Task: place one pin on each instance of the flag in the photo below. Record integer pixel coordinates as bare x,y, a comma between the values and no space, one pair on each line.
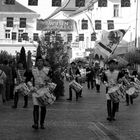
110,40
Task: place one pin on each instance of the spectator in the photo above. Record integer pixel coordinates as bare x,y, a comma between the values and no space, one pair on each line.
3,85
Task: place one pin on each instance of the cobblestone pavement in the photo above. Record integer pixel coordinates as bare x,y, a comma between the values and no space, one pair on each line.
71,120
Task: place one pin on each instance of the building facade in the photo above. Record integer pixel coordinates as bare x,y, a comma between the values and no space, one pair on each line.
93,19
17,28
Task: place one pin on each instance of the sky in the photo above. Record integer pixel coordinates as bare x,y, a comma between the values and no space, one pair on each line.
44,7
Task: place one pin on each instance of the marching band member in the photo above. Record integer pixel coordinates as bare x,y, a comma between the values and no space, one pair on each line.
74,73
110,78
40,74
90,74
130,75
128,97
18,80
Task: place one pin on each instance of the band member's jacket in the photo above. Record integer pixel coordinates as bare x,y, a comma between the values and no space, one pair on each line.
74,74
110,78
40,79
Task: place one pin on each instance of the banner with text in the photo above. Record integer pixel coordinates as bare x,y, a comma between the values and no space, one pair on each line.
54,24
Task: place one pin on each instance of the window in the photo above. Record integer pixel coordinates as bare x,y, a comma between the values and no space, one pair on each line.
98,25
81,37
11,2
80,3
14,35
20,32
93,37
84,24
116,10
25,36
22,23
56,3
7,34
110,24
33,2
35,36
102,3
9,21
69,37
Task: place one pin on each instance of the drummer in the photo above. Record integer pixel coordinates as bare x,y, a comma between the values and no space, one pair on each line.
74,73
41,78
110,78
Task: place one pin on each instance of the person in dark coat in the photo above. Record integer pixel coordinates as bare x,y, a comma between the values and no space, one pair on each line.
8,71
90,74
14,75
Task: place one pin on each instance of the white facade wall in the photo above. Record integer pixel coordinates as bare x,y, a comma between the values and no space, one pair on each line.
125,20
11,46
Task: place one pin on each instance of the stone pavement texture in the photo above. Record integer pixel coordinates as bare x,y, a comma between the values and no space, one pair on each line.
71,120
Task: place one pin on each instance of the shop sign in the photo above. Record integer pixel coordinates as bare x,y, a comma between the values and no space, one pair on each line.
54,24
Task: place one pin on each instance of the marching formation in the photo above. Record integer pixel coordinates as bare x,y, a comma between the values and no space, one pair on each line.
37,82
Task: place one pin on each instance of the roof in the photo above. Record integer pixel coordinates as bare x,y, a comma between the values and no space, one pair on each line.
17,7
68,7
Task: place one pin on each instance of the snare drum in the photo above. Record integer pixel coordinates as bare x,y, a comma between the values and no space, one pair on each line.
22,88
52,86
76,86
114,94
45,97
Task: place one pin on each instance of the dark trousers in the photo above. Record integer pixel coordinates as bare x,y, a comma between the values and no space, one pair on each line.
90,83
98,87
12,91
70,94
7,91
36,114
129,98
112,108
16,97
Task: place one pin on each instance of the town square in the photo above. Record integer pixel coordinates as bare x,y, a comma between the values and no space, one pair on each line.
69,69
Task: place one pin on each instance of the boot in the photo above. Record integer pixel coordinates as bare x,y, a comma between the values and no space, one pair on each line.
109,110
25,101
15,100
35,116
42,117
